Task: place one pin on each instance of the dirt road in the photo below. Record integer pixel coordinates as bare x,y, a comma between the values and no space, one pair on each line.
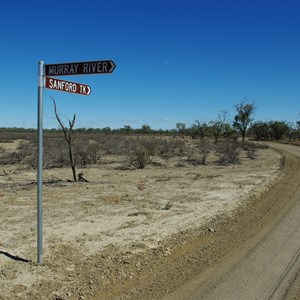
268,265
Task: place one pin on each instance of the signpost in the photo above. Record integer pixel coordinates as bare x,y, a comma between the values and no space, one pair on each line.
63,69
40,165
67,86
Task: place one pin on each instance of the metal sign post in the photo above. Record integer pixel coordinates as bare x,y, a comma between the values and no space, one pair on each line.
41,84
66,69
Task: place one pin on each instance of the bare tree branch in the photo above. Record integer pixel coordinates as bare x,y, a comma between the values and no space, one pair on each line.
68,136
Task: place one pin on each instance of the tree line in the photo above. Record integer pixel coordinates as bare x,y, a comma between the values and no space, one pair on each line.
242,125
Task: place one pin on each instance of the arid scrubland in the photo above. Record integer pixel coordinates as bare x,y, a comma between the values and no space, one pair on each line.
140,192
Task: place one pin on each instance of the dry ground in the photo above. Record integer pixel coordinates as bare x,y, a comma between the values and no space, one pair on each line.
100,237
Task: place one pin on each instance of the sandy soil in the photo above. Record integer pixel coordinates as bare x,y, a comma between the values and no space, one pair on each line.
98,235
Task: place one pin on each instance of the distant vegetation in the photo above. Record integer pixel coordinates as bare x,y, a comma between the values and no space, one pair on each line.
242,125
259,130
194,144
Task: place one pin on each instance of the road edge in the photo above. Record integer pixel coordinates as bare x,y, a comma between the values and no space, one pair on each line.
191,252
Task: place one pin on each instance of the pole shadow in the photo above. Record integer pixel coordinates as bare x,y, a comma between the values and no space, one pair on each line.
16,258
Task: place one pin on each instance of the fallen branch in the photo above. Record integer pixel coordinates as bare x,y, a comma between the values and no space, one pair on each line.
81,178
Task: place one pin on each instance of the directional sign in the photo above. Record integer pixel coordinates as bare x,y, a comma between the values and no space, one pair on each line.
80,68
67,86
64,69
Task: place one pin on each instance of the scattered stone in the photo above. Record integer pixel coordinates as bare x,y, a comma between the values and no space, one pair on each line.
168,206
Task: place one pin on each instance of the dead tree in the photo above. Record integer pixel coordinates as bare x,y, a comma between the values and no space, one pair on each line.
68,137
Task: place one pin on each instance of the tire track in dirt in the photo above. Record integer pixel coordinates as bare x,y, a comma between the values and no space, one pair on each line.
261,271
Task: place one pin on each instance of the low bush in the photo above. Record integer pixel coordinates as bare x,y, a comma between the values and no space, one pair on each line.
251,150
200,153
229,152
10,158
139,158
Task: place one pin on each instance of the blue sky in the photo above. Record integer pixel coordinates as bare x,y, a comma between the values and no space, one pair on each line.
176,61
